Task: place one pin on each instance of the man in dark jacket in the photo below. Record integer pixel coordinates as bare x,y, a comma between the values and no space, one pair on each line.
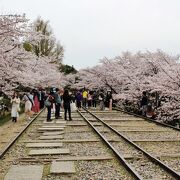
66,102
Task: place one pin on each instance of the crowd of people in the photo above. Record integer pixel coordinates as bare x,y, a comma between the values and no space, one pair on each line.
90,99
54,99
33,102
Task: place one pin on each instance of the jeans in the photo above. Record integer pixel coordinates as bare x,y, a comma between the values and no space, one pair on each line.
144,109
67,108
57,110
84,102
94,103
49,113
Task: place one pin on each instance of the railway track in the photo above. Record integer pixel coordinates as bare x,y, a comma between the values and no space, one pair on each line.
43,145
148,119
147,160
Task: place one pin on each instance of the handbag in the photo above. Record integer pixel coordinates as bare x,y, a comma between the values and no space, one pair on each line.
100,98
47,103
73,107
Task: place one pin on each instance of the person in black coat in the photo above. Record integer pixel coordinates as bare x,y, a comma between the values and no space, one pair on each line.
41,97
108,98
144,103
66,104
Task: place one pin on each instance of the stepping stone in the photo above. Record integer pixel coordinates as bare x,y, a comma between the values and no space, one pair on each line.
43,141
52,133
48,152
36,145
55,123
46,122
80,140
51,137
62,167
77,124
30,172
61,122
54,126
51,129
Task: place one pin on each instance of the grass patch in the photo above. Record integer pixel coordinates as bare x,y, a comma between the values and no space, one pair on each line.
7,116
5,119
46,170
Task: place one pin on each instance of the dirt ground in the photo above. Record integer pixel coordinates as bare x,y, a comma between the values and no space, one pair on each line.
10,129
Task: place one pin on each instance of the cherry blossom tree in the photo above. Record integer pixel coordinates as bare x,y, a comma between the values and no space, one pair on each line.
130,74
21,67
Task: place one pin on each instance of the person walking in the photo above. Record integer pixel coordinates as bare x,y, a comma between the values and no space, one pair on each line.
73,102
101,101
36,107
49,103
94,99
15,100
85,95
28,106
66,104
89,99
108,101
57,98
30,95
78,99
144,103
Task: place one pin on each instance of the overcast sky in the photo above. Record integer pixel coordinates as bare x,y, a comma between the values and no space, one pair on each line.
93,29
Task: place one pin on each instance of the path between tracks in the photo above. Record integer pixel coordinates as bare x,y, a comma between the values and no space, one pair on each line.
10,129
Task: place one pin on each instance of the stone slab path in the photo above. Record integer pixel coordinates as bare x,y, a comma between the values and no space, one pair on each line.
61,122
53,126
30,172
37,145
62,167
55,122
51,137
52,133
51,129
48,152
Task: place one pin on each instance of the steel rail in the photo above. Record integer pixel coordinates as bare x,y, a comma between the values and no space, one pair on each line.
147,119
119,156
161,164
4,151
